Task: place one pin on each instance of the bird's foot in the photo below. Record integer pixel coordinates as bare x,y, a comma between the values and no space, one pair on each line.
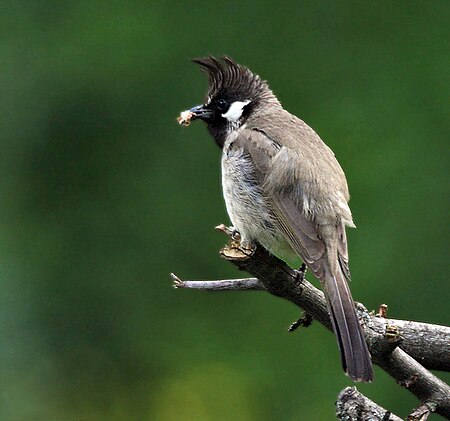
237,242
232,232
247,247
301,273
235,235
305,321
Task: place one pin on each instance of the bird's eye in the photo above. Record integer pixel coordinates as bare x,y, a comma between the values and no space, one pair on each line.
222,104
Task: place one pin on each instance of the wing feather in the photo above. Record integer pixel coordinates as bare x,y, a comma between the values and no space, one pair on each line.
317,237
300,231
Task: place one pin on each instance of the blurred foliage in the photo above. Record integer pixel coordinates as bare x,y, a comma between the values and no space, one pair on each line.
102,195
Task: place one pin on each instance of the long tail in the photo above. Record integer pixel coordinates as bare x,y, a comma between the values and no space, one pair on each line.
354,352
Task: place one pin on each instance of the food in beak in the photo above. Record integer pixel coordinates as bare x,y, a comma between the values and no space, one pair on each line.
185,118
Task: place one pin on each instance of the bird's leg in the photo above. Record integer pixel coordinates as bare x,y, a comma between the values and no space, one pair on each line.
306,318
232,232
237,240
305,321
301,273
235,235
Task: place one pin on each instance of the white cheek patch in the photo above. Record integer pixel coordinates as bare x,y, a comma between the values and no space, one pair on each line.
235,111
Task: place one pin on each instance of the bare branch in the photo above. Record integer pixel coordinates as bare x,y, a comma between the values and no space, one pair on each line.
222,285
388,339
418,380
425,342
352,405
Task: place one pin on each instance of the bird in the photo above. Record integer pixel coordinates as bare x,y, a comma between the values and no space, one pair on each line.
284,190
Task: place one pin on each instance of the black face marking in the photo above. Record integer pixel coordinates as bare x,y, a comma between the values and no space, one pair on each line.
230,82
222,105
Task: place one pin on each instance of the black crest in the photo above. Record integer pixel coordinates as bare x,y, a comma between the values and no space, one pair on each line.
227,76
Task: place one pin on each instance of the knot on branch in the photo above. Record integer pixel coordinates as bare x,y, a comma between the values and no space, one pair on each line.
422,412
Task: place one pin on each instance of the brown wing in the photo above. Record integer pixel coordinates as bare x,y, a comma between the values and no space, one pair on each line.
301,232
317,237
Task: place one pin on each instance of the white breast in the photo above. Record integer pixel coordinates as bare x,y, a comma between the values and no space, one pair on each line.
246,205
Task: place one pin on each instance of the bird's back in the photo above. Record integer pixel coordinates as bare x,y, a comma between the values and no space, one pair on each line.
305,164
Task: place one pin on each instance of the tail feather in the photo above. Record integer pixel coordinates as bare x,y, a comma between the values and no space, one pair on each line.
352,344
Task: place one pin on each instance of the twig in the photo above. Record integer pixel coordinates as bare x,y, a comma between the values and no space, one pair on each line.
222,285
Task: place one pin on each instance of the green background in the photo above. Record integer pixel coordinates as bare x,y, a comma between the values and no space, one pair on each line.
102,195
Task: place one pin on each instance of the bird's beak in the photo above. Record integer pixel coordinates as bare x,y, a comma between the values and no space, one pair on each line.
200,111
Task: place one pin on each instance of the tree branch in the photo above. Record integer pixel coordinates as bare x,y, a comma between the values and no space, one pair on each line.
222,285
427,343
352,405
390,341
421,413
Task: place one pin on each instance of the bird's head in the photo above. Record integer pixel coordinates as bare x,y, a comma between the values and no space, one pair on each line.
234,94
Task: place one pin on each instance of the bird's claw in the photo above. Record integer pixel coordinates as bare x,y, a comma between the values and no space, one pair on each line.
301,273
305,321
